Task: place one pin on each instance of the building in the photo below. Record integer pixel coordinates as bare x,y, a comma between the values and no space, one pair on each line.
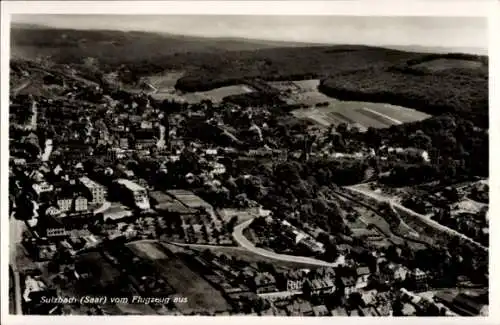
420,280
300,308
146,125
65,203
32,285
124,143
320,310
362,274
265,282
339,311
80,204
134,194
322,286
211,152
98,192
43,187
462,304
349,284
218,168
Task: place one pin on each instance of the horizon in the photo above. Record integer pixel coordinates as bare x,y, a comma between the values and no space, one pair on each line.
433,32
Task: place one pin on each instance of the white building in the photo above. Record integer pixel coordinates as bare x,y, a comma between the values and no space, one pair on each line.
64,204
80,204
43,187
218,168
98,192
139,194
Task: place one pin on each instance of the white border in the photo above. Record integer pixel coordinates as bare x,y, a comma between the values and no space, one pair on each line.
354,8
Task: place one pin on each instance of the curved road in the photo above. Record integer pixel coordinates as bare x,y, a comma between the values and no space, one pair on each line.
426,220
248,245
245,244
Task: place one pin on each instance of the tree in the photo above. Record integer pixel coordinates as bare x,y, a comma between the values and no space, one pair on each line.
397,307
355,300
232,222
307,288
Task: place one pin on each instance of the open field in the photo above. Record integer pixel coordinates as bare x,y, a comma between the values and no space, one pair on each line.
217,95
372,219
240,253
201,296
445,64
165,81
162,87
148,250
243,215
107,273
360,114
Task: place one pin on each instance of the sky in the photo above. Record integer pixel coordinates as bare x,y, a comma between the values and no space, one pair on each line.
453,32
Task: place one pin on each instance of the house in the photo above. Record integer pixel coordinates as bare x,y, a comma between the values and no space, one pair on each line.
265,282
211,152
322,286
42,187
390,272
300,308
80,204
65,203
409,310
98,192
218,168
52,211
46,251
420,279
124,143
355,313
462,304
339,311
32,285
349,284
368,311
147,125
320,310
362,274
369,297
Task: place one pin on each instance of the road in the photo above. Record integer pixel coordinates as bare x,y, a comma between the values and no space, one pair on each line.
248,245
16,229
426,220
105,205
161,140
21,87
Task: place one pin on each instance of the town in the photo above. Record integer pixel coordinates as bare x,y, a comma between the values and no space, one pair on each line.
241,204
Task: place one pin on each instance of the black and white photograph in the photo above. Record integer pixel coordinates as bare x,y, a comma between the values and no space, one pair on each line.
253,165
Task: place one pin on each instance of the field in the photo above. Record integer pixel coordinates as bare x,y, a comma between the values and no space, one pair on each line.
332,111
240,253
162,87
445,64
368,217
217,95
201,296
147,250
243,215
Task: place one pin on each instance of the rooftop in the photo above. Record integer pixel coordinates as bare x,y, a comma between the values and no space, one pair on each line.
130,185
88,182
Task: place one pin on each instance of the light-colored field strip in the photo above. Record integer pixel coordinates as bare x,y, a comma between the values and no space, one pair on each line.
148,249
383,115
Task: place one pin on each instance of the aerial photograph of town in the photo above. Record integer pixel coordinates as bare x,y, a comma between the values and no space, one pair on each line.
248,165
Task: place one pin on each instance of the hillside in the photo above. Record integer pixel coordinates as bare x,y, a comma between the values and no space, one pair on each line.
31,41
432,83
